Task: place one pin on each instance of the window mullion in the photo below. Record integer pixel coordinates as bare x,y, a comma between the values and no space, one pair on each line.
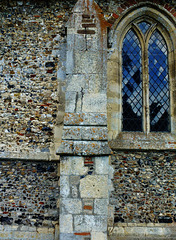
146,122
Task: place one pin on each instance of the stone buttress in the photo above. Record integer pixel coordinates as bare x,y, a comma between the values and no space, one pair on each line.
85,173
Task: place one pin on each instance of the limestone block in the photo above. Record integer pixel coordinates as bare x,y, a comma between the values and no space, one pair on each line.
70,101
98,236
101,165
71,236
70,59
87,223
73,166
101,206
64,186
95,102
71,206
158,231
85,148
74,191
88,62
66,223
77,82
85,133
116,231
85,119
97,83
91,43
94,186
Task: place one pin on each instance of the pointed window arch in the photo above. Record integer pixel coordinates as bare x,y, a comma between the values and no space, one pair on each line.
141,75
145,80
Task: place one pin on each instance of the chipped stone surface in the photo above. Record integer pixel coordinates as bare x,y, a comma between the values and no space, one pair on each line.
73,166
84,148
85,119
102,165
94,186
71,206
101,206
64,186
142,232
66,223
85,133
98,236
86,223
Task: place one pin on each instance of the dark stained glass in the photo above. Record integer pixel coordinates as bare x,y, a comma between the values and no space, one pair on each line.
158,84
131,83
144,26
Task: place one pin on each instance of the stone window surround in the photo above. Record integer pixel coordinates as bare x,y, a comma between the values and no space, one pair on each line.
165,23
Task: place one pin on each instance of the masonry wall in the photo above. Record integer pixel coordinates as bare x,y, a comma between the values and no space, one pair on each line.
29,199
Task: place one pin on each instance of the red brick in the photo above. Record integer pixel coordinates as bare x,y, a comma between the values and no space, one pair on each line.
115,15
83,234
86,207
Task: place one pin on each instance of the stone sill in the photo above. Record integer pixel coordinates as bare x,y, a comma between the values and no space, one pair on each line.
143,141
143,232
121,224
39,156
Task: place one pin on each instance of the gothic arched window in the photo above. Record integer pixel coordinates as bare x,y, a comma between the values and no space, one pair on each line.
145,80
141,73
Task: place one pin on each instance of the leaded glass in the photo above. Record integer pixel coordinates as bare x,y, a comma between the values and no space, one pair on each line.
144,26
158,84
131,83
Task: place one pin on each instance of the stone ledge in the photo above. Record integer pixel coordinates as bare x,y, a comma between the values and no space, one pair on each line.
25,232
143,141
40,156
86,119
143,232
85,133
84,148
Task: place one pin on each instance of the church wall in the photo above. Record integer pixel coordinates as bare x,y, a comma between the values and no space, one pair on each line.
144,192
28,199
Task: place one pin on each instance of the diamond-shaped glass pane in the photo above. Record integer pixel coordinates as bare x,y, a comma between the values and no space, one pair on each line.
131,83
158,84
144,26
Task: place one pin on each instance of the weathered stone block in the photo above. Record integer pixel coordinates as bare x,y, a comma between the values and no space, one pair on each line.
98,236
73,166
70,206
85,133
102,165
85,119
85,148
101,206
77,83
87,223
64,186
95,102
66,223
94,186
89,59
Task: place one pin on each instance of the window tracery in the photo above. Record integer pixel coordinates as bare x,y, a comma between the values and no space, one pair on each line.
145,89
